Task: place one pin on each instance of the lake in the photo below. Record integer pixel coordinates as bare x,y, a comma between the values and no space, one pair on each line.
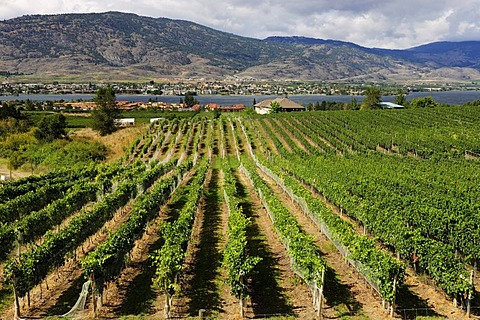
448,97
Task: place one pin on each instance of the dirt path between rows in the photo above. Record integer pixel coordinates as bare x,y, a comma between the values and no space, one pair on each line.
64,284
158,147
298,123
203,283
282,140
318,123
258,130
346,292
287,131
132,292
418,293
276,290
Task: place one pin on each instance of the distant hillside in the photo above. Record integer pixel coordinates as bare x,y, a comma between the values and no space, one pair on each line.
121,46
443,54
449,54
310,41
121,43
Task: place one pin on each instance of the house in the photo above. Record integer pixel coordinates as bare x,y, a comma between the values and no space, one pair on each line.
234,108
286,105
212,106
84,105
126,105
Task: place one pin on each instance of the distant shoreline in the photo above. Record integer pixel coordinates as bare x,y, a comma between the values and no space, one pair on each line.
453,97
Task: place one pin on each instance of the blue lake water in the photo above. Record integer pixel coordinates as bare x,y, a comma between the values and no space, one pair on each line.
448,97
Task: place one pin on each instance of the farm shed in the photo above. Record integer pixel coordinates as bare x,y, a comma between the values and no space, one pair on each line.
125,122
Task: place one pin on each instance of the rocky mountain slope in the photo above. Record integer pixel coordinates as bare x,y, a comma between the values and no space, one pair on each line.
122,46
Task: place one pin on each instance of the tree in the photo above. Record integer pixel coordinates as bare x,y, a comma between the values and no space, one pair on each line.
29,105
107,111
10,111
51,127
190,100
275,107
321,106
14,162
423,102
354,104
400,98
216,114
371,99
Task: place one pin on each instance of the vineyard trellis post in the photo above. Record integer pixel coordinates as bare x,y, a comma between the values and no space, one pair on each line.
241,299
14,283
94,296
469,298
167,299
16,302
392,307
319,301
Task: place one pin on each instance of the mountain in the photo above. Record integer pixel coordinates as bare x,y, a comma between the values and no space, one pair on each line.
122,46
437,55
448,54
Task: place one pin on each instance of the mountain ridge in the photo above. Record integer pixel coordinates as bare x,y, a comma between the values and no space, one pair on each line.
123,46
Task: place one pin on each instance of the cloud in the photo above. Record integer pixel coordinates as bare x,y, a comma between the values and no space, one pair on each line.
371,23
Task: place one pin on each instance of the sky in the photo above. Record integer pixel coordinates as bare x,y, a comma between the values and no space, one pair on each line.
392,24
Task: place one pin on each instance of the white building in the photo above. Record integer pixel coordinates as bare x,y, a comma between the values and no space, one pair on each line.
125,122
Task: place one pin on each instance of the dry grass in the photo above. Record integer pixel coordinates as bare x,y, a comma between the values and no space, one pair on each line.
117,142
16,174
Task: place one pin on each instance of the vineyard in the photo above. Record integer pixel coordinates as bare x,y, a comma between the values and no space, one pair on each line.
351,214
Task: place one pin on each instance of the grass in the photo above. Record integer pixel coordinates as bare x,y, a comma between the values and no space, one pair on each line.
144,116
74,120
23,171
77,119
329,248
3,162
6,298
117,143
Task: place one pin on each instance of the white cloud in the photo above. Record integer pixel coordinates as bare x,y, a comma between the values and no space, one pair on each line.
371,23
